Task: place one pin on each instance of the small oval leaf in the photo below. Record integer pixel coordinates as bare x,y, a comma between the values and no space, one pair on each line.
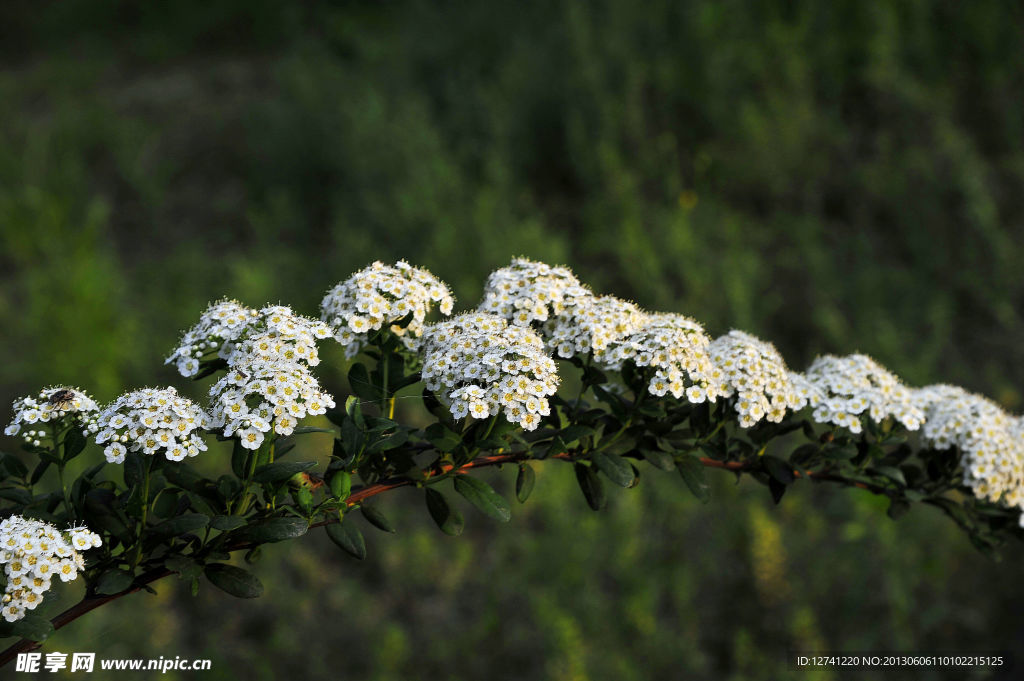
483,496
32,626
273,530
348,538
281,470
591,485
376,518
692,471
447,517
524,482
615,467
181,525
234,580
113,581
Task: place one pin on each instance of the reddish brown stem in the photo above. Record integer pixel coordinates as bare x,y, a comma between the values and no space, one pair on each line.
90,603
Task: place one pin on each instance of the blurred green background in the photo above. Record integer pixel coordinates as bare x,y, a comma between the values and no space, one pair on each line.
831,176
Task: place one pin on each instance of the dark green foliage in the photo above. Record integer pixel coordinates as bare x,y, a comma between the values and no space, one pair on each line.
483,496
831,176
234,580
348,537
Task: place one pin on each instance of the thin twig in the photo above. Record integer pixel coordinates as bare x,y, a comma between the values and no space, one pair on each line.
92,602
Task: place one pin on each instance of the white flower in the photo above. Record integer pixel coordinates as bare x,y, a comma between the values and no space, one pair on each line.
115,452
220,324
676,347
590,324
276,387
843,389
228,330
251,438
33,552
383,294
453,359
991,442
49,405
150,420
754,371
528,291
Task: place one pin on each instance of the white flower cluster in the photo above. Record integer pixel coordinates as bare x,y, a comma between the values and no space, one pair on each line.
51,404
32,552
844,388
990,442
151,420
230,331
676,347
278,334
754,371
259,394
268,384
590,324
382,294
528,291
213,336
487,366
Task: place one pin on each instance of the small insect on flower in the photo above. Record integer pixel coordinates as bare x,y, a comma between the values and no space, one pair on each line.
62,399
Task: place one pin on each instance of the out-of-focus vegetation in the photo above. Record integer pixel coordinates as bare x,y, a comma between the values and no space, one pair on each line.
831,176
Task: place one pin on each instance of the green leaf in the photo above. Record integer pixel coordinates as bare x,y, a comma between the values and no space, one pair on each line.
234,580
443,439
841,453
74,443
181,525
447,517
574,432
304,499
891,472
134,469
273,530
804,454
39,471
302,430
659,459
226,523
591,485
348,537
483,496
281,470
554,449
778,469
354,409
341,485
524,482
114,581
32,626
359,381
693,474
283,446
239,460
184,566
389,442
916,495
17,495
777,489
351,439
184,476
376,518
166,505
14,466
615,467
